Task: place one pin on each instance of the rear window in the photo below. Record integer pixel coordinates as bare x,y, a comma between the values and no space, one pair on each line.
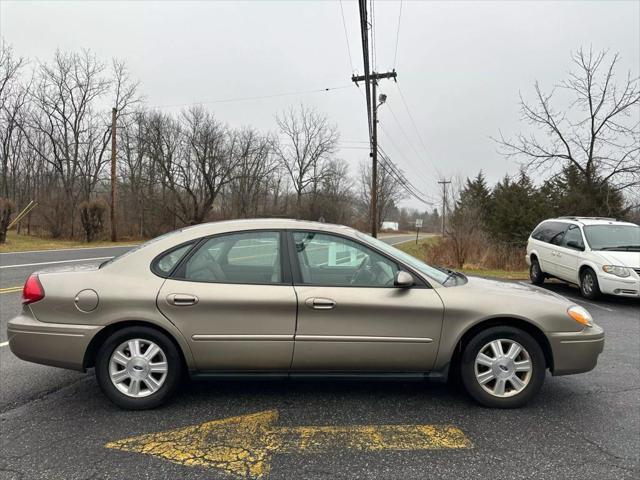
550,232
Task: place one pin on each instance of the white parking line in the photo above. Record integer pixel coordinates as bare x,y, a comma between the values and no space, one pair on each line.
4,344
58,261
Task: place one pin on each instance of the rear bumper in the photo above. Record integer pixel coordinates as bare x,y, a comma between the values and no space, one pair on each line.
576,352
55,344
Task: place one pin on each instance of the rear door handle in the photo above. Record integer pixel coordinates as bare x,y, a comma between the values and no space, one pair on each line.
320,303
181,299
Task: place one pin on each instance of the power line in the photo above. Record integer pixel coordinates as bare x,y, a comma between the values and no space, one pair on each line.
387,168
413,122
399,151
409,142
346,36
395,55
402,177
373,35
399,176
261,97
419,165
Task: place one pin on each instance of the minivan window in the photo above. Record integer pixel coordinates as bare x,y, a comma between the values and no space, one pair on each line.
573,238
550,232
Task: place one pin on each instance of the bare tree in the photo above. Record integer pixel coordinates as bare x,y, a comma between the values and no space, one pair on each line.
255,166
195,156
598,132
65,112
13,100
308,141
336,203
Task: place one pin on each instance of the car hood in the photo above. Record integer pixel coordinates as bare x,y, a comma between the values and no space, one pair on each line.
515,289
623,259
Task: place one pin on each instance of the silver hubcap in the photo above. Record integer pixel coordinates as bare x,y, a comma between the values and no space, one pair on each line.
138,368
587,283
503,368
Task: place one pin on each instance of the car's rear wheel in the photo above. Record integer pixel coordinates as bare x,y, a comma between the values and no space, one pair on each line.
502,367
138,367
589,287
536,274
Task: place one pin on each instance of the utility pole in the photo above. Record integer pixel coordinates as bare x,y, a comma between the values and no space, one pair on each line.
444,202
373,79
114,232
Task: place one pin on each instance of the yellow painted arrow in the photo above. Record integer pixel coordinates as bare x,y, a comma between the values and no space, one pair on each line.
243,445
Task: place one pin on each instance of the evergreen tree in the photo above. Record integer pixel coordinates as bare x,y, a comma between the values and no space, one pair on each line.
570,194
475,195
515,209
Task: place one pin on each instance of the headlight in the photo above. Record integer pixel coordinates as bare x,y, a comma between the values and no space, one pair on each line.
617,271
580,315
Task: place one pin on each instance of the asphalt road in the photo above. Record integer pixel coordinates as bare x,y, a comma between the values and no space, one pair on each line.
55,424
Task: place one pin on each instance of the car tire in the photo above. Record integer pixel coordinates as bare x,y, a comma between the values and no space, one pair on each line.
536,274
589,286
154,369
516,392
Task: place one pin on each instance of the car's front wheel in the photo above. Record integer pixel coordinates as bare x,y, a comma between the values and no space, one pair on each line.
589,287
502,367
138,367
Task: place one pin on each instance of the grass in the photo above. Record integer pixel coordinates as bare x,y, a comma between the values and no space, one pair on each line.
22,243
421,249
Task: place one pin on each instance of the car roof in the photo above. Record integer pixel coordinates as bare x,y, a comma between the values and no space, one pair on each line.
590,221
260,223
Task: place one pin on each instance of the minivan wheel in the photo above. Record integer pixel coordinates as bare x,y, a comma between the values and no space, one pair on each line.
535,272
138,368
502,367
589,287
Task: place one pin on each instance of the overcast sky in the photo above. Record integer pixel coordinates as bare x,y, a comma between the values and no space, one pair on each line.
460,64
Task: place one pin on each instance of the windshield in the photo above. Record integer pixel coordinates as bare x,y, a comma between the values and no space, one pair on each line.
438,275
620,238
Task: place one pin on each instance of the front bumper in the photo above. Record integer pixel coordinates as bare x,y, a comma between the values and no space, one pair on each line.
55,344
576,352
624,287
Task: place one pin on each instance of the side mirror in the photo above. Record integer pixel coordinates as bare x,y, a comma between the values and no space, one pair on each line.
575,245
403,279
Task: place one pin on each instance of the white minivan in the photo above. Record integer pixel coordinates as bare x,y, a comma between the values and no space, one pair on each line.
600,255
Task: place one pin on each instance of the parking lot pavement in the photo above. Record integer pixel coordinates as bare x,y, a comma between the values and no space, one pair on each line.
56,424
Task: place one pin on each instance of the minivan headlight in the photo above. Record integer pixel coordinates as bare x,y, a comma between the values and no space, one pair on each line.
580,315
616,270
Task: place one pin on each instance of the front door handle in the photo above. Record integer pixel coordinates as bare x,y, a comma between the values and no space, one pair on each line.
320,303
181,299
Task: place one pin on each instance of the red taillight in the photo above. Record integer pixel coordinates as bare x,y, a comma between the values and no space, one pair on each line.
32,291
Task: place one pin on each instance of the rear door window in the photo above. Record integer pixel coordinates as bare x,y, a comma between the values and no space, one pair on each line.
248,257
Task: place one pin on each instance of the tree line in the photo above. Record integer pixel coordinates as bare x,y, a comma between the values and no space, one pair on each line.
173,169
183,168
